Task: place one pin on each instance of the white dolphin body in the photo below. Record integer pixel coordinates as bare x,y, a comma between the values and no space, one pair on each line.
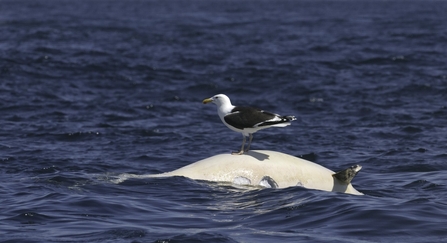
259,168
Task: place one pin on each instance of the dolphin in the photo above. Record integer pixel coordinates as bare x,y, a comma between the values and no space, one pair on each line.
266,169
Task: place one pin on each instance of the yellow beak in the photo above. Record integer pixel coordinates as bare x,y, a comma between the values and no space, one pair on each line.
206,101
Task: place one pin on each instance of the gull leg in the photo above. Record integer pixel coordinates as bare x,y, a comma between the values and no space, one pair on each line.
249,142
242,148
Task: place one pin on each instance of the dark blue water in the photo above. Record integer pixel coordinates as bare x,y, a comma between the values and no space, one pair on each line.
93,89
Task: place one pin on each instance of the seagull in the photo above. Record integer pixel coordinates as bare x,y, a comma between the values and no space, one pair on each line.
246,120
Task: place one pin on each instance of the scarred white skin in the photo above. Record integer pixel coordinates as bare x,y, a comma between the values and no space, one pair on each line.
254,166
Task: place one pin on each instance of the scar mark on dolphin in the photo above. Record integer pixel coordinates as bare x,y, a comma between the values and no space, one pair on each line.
268,182
240,180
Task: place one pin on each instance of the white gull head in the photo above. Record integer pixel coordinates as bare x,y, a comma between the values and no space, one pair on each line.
223,104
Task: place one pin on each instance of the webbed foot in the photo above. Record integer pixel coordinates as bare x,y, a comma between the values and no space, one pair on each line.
238,153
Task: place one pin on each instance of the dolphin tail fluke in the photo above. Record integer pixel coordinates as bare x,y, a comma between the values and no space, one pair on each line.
346,176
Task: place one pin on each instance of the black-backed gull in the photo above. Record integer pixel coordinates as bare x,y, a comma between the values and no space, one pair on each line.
246,120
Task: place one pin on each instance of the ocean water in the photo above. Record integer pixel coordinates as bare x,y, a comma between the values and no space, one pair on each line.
93,89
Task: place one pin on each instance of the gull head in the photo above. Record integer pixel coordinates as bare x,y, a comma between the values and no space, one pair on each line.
219,100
